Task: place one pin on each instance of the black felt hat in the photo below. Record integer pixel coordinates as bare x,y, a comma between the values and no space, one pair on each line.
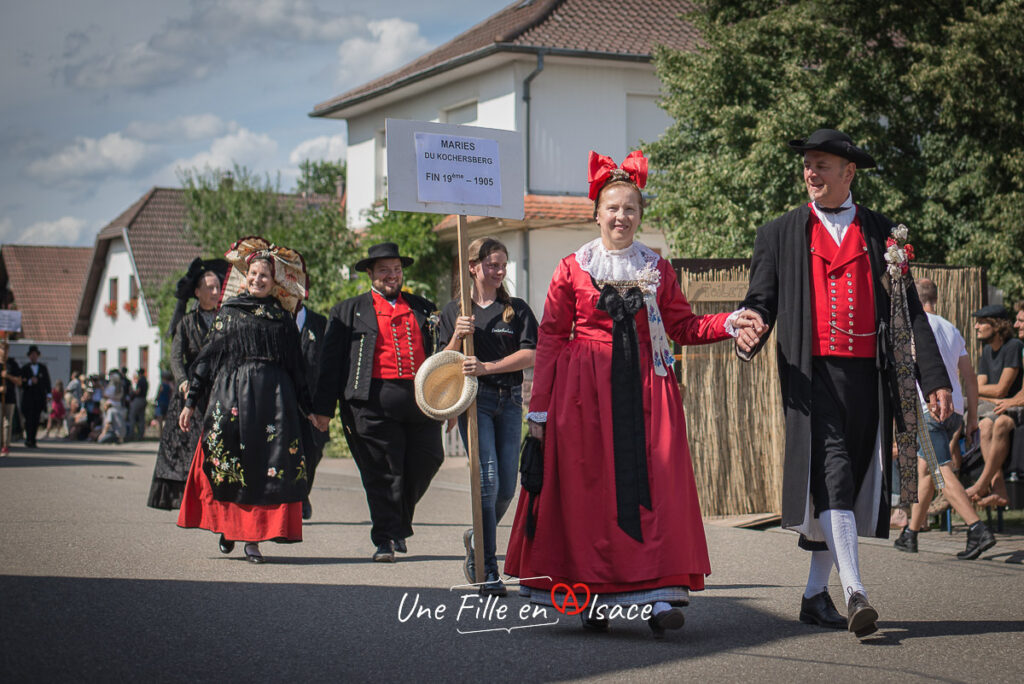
834,142
32,348
385,250
992,311
188,283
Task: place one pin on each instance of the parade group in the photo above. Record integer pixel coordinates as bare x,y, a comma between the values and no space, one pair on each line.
258,377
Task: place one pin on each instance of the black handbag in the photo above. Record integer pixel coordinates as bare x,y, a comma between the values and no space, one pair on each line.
531,471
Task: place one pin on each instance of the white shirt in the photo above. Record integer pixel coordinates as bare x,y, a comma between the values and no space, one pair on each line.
300,318
951,347
836,224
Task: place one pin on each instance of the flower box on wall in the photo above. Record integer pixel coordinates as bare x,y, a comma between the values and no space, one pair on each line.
132,306
110,308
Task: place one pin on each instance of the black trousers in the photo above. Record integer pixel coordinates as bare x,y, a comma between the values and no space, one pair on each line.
32,412
844,423
398,451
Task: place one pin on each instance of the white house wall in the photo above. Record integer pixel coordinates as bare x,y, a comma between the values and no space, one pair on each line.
494,92
126,331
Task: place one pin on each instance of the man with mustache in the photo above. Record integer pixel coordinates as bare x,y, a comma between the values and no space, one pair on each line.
374,345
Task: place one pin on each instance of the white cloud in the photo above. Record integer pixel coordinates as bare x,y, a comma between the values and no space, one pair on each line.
66,230
188,128
393,42
113,153
324,147
6,231
189,48
242,147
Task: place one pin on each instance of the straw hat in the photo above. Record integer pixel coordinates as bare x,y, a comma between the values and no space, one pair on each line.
442,391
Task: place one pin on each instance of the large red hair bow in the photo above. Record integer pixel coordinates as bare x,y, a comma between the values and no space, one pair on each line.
601,168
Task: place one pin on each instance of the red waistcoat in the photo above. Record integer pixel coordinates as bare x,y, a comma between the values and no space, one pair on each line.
842,294
398,353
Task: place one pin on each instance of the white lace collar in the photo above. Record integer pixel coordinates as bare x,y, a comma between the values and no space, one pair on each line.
632,263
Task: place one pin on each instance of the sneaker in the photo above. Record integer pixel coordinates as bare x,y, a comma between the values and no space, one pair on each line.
493,586
907,541
5,451
469,566
385,553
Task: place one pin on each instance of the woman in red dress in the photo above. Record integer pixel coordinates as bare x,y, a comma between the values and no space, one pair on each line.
618,509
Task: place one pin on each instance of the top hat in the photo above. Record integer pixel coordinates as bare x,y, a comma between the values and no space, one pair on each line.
385,250
834,142
442,390
32,348
992,311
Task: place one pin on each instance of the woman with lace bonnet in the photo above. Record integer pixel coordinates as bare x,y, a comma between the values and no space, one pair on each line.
249,475
618,509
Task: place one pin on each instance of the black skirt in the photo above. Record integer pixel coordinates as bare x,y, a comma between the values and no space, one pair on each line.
174,458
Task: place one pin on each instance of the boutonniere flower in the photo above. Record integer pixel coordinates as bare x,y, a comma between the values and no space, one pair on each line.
898,252
312,337
648,278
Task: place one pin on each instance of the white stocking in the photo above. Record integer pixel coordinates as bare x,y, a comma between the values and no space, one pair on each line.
840,528
817,578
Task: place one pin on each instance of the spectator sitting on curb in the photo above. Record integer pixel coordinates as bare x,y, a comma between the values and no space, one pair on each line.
1002,408
954,355
113,424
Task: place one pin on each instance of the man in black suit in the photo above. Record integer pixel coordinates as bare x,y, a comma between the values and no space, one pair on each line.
375,343
35,388
312,329
818,276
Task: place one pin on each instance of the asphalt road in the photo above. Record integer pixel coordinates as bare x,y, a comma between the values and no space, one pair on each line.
95,586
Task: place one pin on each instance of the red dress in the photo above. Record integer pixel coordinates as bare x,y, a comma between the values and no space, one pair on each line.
577,537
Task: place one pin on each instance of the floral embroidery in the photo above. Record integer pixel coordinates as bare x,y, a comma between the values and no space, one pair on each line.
300,473
226,468
275,473
234,411
271,432
293,447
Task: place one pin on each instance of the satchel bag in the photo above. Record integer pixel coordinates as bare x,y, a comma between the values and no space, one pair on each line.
531,470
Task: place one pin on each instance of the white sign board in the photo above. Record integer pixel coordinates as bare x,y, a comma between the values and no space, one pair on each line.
449,169
10,320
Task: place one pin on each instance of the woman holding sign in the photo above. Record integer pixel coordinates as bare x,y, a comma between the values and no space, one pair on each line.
504,332
618,508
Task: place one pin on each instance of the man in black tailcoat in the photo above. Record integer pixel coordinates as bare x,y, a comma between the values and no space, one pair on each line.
35,388
375,343
818,276
312,329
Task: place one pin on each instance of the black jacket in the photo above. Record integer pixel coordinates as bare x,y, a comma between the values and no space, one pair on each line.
34,388
346,365
780,291
311,338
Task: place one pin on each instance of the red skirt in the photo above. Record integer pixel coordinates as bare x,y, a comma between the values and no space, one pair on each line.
237,522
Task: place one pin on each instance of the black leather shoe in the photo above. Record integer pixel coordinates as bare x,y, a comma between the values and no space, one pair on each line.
253,555
385,553
400,546
307,510
819,610
979,539
593,624
861,616
493,586
907,541
672,618
226,545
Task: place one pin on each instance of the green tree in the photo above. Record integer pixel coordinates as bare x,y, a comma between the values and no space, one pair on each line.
320,177
898,79
222,209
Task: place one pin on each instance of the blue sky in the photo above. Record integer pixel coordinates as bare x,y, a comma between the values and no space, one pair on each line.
103,99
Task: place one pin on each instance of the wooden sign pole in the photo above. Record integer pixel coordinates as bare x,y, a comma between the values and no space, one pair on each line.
472,436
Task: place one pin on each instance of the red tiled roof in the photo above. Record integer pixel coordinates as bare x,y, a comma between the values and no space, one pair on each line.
41,280
160,243
548,208
601,28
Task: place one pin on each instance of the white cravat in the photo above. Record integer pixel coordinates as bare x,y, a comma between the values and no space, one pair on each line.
300,318
836,224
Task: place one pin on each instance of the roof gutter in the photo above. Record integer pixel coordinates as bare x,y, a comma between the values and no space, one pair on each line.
491,49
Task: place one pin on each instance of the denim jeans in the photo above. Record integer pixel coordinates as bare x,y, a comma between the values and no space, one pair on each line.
499,412
941,433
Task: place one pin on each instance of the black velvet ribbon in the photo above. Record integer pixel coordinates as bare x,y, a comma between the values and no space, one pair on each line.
632,489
